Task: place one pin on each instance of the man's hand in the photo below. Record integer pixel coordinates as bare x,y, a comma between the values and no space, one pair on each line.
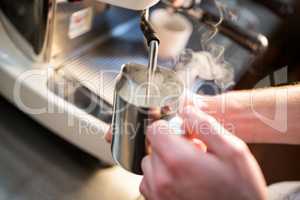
177,3
108,136
178,170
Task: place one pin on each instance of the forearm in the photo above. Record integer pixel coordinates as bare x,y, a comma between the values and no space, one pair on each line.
261,116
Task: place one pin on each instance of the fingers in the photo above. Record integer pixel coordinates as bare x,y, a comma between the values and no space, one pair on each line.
145,187
171,148
108,136
191,99
218,140
164,141
171,157
163,177
199,144
177,3
157,179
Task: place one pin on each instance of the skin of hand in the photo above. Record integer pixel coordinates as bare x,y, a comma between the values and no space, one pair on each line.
178,170
177,3
108,136
274,112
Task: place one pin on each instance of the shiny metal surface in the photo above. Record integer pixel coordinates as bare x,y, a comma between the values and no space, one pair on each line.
30,24
130,122
152,63
153,44
41,28
257,43
153,55
96,67
63,44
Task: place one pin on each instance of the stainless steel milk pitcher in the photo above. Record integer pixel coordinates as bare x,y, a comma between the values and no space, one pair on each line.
132,115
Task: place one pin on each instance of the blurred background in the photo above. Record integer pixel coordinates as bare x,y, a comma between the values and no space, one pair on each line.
48,160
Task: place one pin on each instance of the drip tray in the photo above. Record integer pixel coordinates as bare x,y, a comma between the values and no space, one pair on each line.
88,80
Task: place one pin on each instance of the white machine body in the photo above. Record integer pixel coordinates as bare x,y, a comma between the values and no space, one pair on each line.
132,4
26,56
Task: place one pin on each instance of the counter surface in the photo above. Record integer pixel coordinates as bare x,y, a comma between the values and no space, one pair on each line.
35,164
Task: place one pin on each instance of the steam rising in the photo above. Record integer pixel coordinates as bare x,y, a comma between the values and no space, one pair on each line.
204,65
208,64
214,28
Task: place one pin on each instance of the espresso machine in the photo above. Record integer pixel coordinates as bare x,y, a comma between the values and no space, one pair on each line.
46,44
59,59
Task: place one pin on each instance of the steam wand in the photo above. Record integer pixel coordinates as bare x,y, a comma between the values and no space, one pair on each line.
153,45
